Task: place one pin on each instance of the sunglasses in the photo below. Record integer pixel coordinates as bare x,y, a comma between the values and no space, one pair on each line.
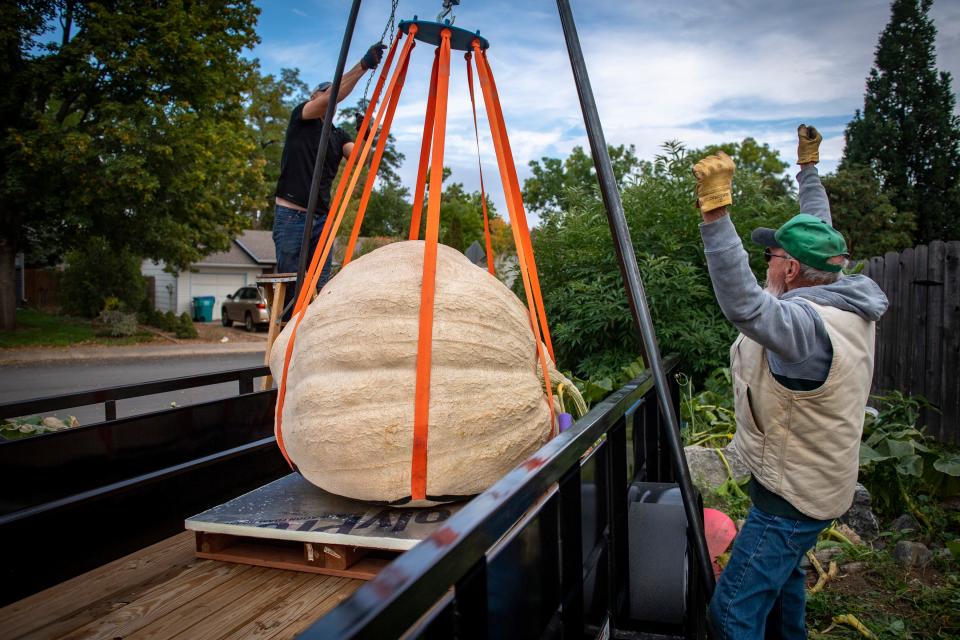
767,255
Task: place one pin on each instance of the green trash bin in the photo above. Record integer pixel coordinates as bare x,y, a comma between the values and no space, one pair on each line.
203,308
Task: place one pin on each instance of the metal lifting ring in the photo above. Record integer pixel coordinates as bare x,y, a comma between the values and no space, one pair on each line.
429,32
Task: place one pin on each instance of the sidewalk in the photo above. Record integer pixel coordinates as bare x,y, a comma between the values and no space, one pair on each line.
59,355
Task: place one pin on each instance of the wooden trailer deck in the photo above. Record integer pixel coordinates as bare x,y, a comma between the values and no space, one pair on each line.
164,591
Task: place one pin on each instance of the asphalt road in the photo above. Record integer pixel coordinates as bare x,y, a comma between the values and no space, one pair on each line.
23,382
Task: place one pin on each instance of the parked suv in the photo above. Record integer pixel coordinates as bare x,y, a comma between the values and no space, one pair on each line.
249,306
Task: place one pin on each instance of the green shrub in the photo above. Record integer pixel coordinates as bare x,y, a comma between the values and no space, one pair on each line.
153,318
94,273
185,327
898,462
170,321
707,417
117,324
591,324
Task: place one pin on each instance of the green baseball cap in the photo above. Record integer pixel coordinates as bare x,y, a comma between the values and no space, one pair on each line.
808,239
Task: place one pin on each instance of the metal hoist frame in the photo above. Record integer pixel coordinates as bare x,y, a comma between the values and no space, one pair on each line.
623,246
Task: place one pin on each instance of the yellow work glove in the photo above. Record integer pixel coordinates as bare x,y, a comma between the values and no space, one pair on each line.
808,150
714,179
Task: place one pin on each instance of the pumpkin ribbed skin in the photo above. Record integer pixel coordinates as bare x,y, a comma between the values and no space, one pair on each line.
348,412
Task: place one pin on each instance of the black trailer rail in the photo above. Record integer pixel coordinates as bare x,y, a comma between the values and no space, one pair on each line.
95,493
108,397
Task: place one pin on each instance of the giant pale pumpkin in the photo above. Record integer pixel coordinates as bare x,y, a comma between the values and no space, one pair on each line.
348,413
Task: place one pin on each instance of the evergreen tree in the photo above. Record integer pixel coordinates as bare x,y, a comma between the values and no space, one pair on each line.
908,133
863,213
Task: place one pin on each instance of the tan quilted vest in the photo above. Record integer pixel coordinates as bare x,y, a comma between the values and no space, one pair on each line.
804,445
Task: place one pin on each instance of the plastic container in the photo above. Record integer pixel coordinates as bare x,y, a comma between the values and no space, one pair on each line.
203,308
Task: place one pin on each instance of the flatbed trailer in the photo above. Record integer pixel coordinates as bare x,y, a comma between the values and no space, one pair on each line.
165,591
101,551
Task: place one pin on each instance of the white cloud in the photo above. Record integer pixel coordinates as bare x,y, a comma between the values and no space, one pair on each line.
302,56
701,72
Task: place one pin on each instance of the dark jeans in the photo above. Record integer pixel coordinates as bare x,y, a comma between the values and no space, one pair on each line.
762,590
288,227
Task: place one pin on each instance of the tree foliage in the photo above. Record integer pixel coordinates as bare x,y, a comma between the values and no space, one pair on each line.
269,102
863,213
388,210
461,215
94,273
129,126
908,133
583,291
557,185
758,159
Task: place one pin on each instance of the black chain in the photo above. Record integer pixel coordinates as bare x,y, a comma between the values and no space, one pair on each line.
390,27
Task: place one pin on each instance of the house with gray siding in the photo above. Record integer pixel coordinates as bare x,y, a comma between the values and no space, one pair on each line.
250,254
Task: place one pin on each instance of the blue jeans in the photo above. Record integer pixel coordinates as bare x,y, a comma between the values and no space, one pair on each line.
762,591
288,227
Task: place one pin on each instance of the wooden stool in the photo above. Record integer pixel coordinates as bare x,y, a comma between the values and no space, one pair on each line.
275,287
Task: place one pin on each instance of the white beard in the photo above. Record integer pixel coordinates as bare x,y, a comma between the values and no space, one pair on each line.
775,289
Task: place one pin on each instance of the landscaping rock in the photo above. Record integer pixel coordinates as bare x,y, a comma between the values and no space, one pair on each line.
707,470
905,523
853,567
849,534
860,516
826,555
911,554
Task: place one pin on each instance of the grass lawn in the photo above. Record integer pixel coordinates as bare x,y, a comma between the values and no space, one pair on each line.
39,329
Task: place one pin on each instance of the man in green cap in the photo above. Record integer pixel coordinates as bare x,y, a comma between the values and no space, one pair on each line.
801,370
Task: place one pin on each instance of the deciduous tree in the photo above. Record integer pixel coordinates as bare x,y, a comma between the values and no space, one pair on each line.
127,124
557,185
593,332
269,102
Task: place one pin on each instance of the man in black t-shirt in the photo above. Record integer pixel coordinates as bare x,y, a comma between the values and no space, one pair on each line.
297,165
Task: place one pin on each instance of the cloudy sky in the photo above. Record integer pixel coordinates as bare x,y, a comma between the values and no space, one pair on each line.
697,71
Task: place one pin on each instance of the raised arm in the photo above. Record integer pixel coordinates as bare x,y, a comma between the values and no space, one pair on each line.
317,106
786,328
813,197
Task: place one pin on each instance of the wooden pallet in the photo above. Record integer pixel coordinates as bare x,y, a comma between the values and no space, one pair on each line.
313,557
291,524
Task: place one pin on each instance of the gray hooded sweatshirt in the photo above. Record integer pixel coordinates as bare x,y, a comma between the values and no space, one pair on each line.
798,346
793,333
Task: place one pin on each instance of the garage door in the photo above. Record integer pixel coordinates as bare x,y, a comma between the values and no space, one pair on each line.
217,285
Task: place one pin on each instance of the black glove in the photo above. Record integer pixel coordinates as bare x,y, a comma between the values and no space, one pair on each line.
373,56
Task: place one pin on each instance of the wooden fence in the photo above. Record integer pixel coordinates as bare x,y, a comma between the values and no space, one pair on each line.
918,339
42,288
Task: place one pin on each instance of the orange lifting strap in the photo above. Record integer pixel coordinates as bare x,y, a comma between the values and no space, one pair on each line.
483,192
431,161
